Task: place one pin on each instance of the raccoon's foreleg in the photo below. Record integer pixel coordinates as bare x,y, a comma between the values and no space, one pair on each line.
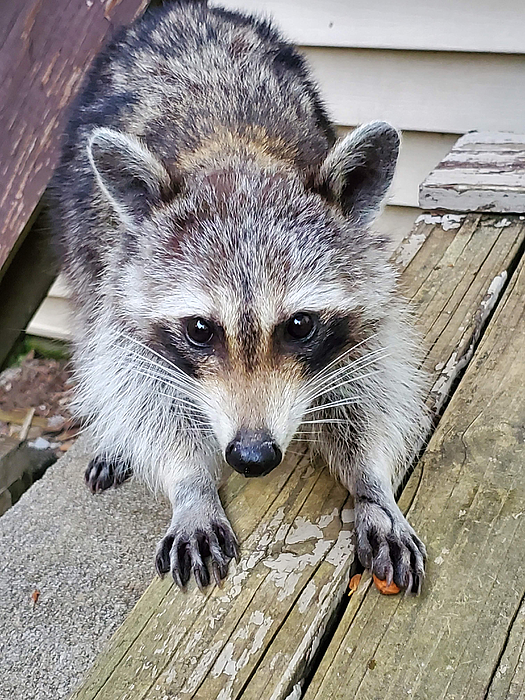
199,529
386,542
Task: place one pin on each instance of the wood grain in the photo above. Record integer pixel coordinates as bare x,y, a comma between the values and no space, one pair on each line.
484,171
46,49
469,510
258,636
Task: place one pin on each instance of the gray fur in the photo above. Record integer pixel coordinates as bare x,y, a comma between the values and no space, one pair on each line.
200,178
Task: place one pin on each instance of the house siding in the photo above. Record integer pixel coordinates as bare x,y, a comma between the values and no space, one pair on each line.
434,70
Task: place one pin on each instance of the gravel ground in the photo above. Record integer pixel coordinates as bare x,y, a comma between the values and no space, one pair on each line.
89,557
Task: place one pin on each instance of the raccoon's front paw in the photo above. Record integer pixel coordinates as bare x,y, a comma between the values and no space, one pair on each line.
102,474
388,546
186,545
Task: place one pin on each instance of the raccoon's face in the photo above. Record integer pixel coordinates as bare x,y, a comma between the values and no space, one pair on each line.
249,283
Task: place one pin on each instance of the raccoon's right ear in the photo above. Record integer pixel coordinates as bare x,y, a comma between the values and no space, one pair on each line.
132,178
358,170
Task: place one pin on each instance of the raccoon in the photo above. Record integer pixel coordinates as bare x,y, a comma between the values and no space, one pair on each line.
229,295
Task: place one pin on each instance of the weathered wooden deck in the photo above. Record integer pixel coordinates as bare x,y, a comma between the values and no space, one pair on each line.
283,624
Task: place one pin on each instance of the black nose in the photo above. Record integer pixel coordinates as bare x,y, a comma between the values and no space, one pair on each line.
253,453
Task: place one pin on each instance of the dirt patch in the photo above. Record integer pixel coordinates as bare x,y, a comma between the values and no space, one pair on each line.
34,401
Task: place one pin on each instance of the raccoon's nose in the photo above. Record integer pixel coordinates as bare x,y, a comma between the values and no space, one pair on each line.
253,453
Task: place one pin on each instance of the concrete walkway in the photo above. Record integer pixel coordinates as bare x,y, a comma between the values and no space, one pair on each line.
91,558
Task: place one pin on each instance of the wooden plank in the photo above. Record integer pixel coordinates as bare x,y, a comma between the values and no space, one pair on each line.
484,171
508,680
258,635
24,284
47,47
471,25
422,90
469,510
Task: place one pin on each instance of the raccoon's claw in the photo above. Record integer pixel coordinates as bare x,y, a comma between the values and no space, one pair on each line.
102,474
388,546
183,551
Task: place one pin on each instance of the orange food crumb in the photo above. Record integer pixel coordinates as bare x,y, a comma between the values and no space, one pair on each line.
383,588
354,583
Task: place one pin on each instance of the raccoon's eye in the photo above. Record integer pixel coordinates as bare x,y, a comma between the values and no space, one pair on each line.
199,331
300,326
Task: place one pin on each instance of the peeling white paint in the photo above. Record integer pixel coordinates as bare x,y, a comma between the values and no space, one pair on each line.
347,515
257,617
226,663
306,597
296,693
200,672
493,293
309,644
286,567
275,660
342,550
443,383
325,520
456,363
303,530
409,247
446,221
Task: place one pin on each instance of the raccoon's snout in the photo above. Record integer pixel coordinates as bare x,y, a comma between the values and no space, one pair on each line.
253,453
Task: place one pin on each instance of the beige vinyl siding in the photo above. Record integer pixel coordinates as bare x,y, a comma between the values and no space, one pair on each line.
442,25
433,69
422,91
52,320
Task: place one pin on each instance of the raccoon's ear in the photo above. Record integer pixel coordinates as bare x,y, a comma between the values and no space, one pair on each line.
127,172
359,169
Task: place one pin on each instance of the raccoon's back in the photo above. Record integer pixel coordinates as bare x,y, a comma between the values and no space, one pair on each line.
180,77
185,71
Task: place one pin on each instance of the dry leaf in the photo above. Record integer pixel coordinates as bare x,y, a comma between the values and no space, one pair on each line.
35,595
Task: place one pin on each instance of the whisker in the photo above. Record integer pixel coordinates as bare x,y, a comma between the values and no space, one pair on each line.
355,366
323,374
347,381
150,350
171,379
188,401
171,366
343,354
334,404
323,420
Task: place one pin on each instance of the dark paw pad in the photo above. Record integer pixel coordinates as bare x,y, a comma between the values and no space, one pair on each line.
186,550
102,474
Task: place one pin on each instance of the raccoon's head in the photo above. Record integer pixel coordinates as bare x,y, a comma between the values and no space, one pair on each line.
249,281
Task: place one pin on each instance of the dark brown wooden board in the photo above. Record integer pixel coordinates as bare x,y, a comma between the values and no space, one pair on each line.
46,47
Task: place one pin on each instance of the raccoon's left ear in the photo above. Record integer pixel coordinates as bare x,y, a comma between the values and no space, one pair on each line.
359,169
132,178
